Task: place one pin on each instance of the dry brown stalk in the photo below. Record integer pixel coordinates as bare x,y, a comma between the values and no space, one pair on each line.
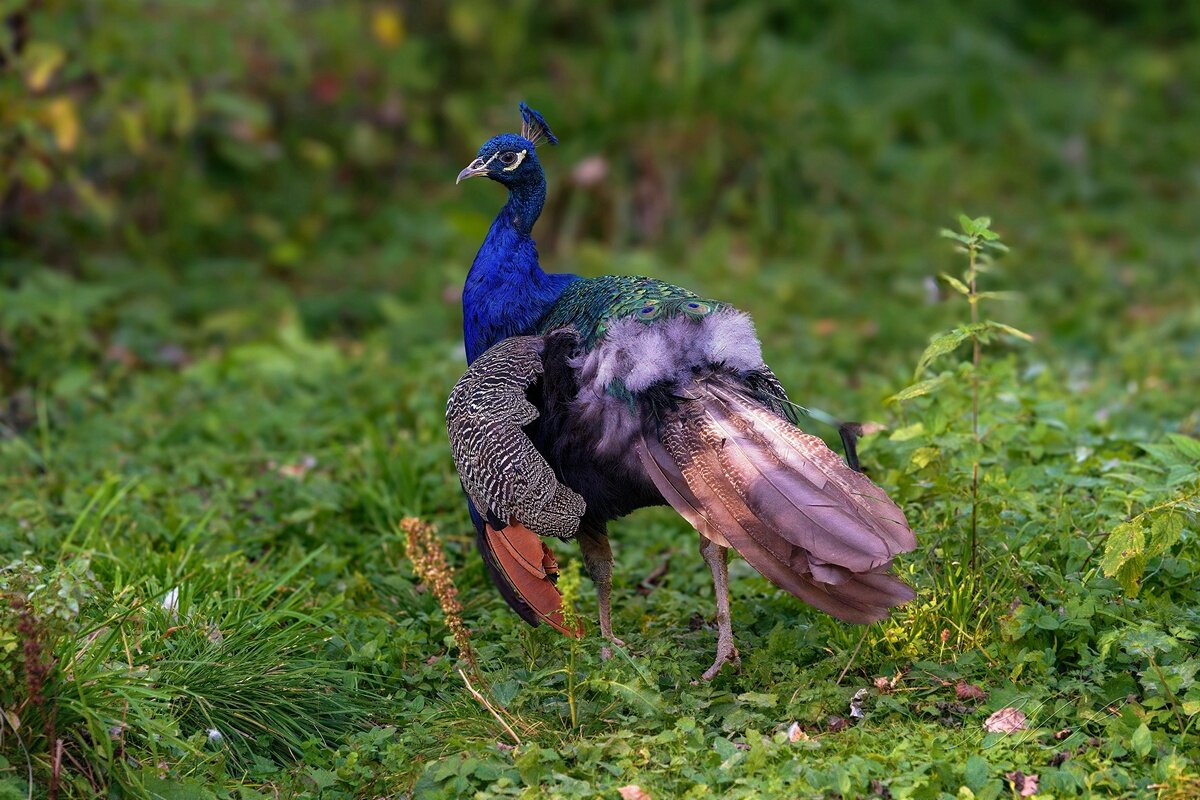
484,701
429,563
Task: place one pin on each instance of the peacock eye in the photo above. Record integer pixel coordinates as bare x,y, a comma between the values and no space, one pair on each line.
649,311
508,158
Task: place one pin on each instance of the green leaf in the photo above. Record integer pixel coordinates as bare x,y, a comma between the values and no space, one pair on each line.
958,237
1187,445
943,344
958,285
760,699
1141,741
907,432
42,60
323,778
976,773
163,789
1009,329
916,390
1124,555
1164,532
13,789
924,456
1146,640
34,174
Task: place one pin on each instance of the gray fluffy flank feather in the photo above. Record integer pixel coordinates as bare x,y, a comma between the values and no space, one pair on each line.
640,355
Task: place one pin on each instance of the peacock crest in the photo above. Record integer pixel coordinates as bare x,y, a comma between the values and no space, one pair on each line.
534,127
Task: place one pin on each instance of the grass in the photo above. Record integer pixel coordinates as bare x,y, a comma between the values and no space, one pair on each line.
265,485
224,372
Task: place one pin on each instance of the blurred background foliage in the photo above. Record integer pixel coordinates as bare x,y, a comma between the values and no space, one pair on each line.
176,175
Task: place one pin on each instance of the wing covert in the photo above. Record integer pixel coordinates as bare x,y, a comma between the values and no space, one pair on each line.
501,470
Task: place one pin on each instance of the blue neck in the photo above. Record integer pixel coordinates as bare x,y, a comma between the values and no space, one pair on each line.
506,292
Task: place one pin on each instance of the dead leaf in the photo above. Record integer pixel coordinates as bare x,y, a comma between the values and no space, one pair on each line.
655,576
63,121
837,724
173,355
1006,720
795,734
871,428
1023,784
121,354
299,469
856,711
969,691
326,88
590,171
633,792
43,60
387,26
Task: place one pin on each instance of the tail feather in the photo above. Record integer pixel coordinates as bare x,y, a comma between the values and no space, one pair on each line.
810,454
795,506
765,551
782,499
675,491
527,572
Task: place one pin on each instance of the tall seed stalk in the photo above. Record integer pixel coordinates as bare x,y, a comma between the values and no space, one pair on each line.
429,563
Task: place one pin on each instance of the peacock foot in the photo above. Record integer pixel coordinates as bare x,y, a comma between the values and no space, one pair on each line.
725,655
605,651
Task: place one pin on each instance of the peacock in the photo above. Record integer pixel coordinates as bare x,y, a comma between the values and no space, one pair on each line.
587,398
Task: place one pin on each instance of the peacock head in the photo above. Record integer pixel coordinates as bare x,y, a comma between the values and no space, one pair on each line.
511,158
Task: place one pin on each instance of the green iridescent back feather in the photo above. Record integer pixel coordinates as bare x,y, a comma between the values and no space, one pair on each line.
590,304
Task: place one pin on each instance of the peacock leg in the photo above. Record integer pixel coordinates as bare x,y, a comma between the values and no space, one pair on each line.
717,558
598,561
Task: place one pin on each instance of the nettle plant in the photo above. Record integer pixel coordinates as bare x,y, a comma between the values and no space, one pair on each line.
978,242
1028,500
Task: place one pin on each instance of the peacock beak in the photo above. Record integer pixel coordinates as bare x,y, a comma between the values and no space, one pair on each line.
474,169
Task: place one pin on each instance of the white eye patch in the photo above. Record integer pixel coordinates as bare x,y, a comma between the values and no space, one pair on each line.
517,163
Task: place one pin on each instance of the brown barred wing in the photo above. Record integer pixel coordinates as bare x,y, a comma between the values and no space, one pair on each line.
501,471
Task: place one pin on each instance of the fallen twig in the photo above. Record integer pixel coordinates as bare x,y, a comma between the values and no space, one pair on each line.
655,576
475,693
853,656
